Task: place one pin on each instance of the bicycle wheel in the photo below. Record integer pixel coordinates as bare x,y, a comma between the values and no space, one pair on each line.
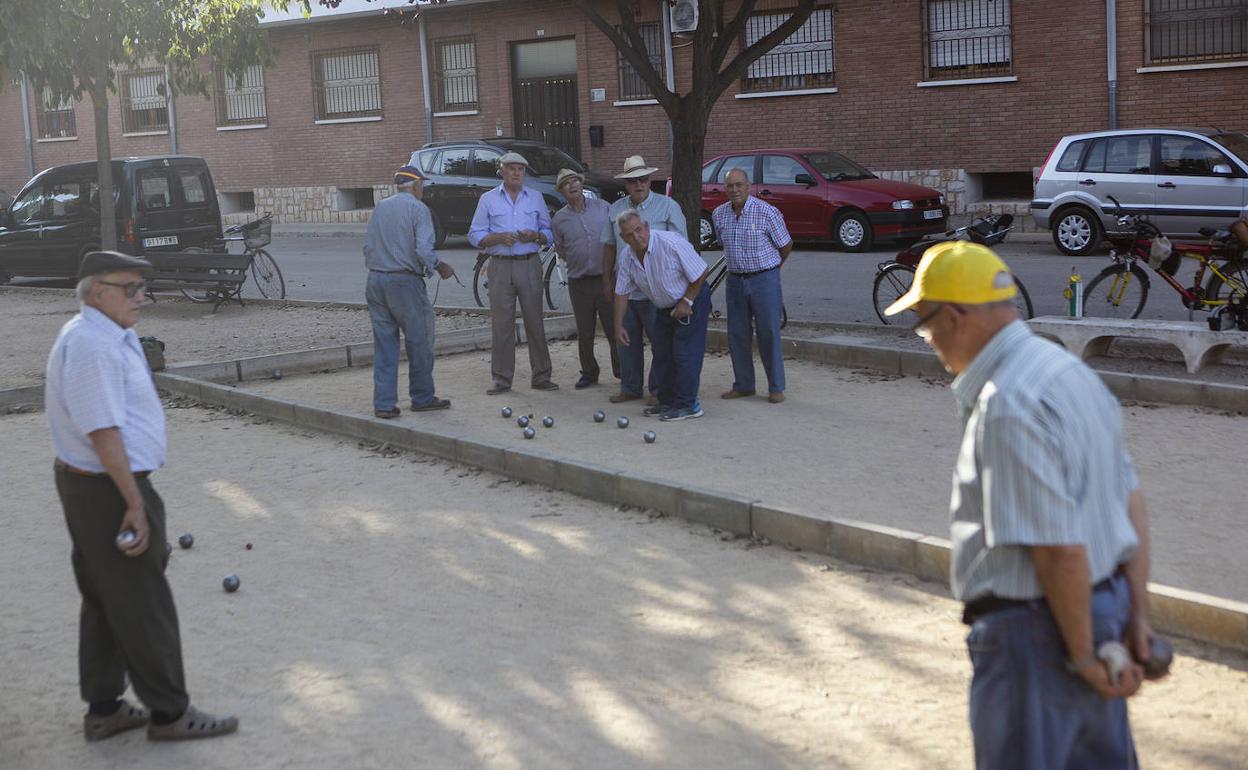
1237,288
555,278
1023,301
267,275
890,283
1117,292
480,283
204,296
718,274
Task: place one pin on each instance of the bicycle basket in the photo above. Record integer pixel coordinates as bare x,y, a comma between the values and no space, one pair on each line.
260,236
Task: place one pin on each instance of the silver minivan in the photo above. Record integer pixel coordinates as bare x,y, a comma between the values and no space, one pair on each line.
1182,180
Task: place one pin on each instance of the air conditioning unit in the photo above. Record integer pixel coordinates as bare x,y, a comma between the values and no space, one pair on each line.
684,15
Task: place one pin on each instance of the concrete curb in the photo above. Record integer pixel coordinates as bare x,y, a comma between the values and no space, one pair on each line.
25,397
1185,613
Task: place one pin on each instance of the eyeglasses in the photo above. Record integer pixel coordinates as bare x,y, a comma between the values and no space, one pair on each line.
920,326
129,288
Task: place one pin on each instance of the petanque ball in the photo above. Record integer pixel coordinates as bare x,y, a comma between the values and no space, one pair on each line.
125,539
168,549
506,411
529,433
187,540
1161,655
231,583
599,416
249,546
649,437
522,421
621,422
548,421
277,374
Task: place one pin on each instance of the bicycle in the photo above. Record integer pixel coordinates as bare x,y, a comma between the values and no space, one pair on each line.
717,275
554,276
1139,239
893,278
265,273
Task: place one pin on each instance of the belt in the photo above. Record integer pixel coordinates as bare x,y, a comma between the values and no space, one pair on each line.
62,465
753,273
986,605
393,272
511,256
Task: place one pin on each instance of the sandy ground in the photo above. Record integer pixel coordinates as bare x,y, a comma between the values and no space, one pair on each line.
402,612
846,443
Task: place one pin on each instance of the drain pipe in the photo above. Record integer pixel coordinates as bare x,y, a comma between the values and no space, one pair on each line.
669,73
173,117
30,140
1111,53
424,76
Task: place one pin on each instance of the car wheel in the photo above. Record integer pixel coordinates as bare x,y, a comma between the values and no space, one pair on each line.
852,231
439,232
706,233
1076,231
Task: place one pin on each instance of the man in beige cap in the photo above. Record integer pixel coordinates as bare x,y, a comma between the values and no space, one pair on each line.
661,213
578,230
511,225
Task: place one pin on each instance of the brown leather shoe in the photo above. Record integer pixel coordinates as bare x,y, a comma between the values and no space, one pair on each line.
547,385
387,414
494,390
620,398
735,394
775,398
651,400
97,727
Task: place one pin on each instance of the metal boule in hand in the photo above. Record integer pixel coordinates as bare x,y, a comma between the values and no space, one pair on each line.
125,539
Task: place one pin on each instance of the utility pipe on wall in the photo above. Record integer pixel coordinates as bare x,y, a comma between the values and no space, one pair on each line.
30,140
669,72
173,121
424,76
1111,54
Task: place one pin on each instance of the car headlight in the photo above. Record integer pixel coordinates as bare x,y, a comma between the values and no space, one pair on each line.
901,205
942,199
589,194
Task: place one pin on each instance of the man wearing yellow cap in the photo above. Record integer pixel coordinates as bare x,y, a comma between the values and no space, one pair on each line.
1049,526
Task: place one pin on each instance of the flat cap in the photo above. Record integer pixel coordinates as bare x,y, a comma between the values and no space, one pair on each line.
512,157
101,262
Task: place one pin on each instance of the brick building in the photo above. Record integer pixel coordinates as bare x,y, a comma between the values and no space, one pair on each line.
967,96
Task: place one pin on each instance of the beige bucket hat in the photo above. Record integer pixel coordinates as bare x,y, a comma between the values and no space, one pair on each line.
634,167
565,174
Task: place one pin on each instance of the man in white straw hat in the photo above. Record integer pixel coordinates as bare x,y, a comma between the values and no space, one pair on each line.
661,213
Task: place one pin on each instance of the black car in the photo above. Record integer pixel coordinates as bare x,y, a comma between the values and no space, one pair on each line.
461,171
163,203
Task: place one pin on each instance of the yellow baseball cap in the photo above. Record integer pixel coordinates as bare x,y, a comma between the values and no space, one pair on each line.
959,272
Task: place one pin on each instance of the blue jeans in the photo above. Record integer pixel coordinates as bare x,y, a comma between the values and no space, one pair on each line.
638,318
399,301
1027,711
679,349
755,303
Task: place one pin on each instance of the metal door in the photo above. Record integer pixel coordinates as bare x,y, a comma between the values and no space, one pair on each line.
544,95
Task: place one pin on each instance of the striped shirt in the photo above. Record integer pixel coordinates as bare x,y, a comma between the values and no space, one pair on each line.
1042,463
98,378
400,236
658,211
498,213
752,239
670,265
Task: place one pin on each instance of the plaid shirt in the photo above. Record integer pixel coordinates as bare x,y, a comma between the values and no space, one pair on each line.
752,241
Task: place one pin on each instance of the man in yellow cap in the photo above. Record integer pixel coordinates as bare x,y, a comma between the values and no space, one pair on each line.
1049,526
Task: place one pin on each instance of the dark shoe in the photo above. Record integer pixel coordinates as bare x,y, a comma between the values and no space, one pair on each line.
675,415
734,393
658,410
652,399
192,724
585,382
620,398
436,403
387,414
547,385
776,398
97,727
496,389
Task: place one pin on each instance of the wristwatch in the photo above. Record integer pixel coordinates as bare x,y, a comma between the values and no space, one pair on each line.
1076,666
686,300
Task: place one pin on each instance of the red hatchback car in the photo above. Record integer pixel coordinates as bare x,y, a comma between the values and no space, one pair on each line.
824,195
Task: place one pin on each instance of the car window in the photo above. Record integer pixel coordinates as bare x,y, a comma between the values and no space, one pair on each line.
1235,143
835,167
743,162
1070,159
454,162
424,160
29,205
1129,155
544,160
1095,160
63,199
1186,156
485,162
194,188
708,172
781,169
154,191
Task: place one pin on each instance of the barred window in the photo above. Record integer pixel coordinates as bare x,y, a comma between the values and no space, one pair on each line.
803,60
56,118
1183,31
346,83
455,74
631,84
144,101
966,39
240,100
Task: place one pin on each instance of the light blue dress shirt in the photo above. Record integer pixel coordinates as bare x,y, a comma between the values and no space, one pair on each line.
498,213
400,236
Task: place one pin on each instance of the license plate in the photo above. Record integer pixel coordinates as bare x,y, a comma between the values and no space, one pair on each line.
164,240
933,214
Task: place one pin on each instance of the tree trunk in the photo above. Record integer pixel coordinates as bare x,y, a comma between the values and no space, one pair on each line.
104,162
688,143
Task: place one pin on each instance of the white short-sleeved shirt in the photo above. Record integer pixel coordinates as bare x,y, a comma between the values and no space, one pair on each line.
671,264
98,378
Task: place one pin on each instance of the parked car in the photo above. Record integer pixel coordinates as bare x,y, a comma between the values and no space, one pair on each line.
1182,180
824,195
163,203
461,171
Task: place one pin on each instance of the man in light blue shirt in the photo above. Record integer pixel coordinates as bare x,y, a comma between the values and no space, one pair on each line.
660,213
510,226
399,255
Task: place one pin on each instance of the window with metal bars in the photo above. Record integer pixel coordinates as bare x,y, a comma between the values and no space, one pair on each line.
631,84
455,74
346,83
240,100
144,101
802,60
56,118
1183,31
967,39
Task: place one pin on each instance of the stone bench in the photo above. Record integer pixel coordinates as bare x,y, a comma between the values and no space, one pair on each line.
1087,337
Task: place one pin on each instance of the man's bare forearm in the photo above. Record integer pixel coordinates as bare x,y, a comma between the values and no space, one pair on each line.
1066,579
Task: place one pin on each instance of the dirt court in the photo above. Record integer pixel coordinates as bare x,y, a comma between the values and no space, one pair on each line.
402,612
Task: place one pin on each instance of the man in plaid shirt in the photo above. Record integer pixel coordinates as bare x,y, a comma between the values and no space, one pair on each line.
756,245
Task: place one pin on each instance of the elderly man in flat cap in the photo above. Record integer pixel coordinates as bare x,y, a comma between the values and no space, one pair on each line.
660,213
108,429
511,225
578,229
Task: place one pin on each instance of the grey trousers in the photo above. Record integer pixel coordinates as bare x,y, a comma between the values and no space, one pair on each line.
590,307
511,280
128,623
